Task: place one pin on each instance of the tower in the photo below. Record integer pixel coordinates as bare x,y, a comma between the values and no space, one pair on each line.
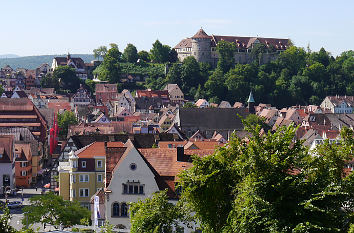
251,104
201,48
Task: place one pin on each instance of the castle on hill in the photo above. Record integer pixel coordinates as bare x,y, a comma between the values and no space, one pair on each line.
203,47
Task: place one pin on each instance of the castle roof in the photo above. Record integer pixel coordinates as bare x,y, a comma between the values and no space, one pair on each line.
201,34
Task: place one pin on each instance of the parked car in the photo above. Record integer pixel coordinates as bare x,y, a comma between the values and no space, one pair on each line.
14,204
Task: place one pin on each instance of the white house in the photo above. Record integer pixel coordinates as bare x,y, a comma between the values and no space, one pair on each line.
202,103
338,104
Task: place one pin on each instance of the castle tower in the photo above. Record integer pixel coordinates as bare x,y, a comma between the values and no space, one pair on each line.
251,104
201,48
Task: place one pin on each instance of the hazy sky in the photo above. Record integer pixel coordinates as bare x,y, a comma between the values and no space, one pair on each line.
36,27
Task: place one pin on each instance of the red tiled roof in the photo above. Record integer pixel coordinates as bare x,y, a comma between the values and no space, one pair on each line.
97,149
201,34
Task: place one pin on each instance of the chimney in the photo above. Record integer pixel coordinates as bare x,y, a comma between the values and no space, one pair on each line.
180,153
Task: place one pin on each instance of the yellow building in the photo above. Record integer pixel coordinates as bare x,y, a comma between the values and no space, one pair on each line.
84,174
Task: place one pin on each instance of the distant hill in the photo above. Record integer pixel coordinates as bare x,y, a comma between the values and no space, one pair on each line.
8,56
32,62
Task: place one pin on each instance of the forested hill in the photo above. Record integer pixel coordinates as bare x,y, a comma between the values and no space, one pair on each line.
32,62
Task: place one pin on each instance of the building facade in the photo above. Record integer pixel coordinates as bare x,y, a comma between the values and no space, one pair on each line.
203,47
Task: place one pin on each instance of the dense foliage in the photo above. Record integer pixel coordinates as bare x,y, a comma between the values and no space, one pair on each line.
155,215
272,184
63,80
53,210
66,119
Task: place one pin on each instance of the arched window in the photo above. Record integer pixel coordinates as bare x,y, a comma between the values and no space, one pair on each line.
124,210
115,209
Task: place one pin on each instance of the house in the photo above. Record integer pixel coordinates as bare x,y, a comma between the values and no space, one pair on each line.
81,97
163,95
270,116
338,104
74,62
7,163
203,47
148,104
202,103
105,92
122,102
138,174
208,120
23,165
122,112
84,173
224,104
166,121
175,93
22,112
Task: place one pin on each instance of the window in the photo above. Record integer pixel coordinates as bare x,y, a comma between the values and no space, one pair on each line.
99,163
83,164
99,178
23,164
84,178
23,173
115,209
133,188
73,193
84,192
124,210
73,179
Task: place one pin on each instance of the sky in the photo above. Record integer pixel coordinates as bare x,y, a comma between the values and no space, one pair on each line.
39,27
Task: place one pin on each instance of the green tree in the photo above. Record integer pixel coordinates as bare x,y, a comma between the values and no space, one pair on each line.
215,86
226,52
172,56
159,53
110,69
272,184
155,214
66,76
66,119
190,74
100,52
5,219
49,82
53,210
174,75
144,56
130,53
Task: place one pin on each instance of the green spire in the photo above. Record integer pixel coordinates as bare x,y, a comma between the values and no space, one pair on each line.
250,98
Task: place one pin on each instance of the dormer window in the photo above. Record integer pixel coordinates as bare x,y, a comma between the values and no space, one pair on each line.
83,164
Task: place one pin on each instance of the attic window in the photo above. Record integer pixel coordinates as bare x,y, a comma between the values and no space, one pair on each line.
132,166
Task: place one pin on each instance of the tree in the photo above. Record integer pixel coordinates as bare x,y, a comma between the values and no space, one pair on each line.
272,184
159,53
130,53
49,82
100,52
190,74
5,219
174,75
226,52
53,210
172,56
110,69
67,79
155,214
66,119
144,56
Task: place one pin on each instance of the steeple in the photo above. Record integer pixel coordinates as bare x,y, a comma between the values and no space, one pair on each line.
250,98
251,104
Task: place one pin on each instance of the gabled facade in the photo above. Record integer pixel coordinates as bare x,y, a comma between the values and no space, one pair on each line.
175,93
74,62
84,174
7,163
338,104
82,97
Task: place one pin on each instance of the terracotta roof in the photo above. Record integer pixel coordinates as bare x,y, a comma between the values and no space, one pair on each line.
171,144
337,100
163,94
204,145
105,87
96,149
24,148
21,104
185,43
164,161
201,34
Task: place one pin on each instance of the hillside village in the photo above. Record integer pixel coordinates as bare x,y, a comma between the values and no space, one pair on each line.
123,144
